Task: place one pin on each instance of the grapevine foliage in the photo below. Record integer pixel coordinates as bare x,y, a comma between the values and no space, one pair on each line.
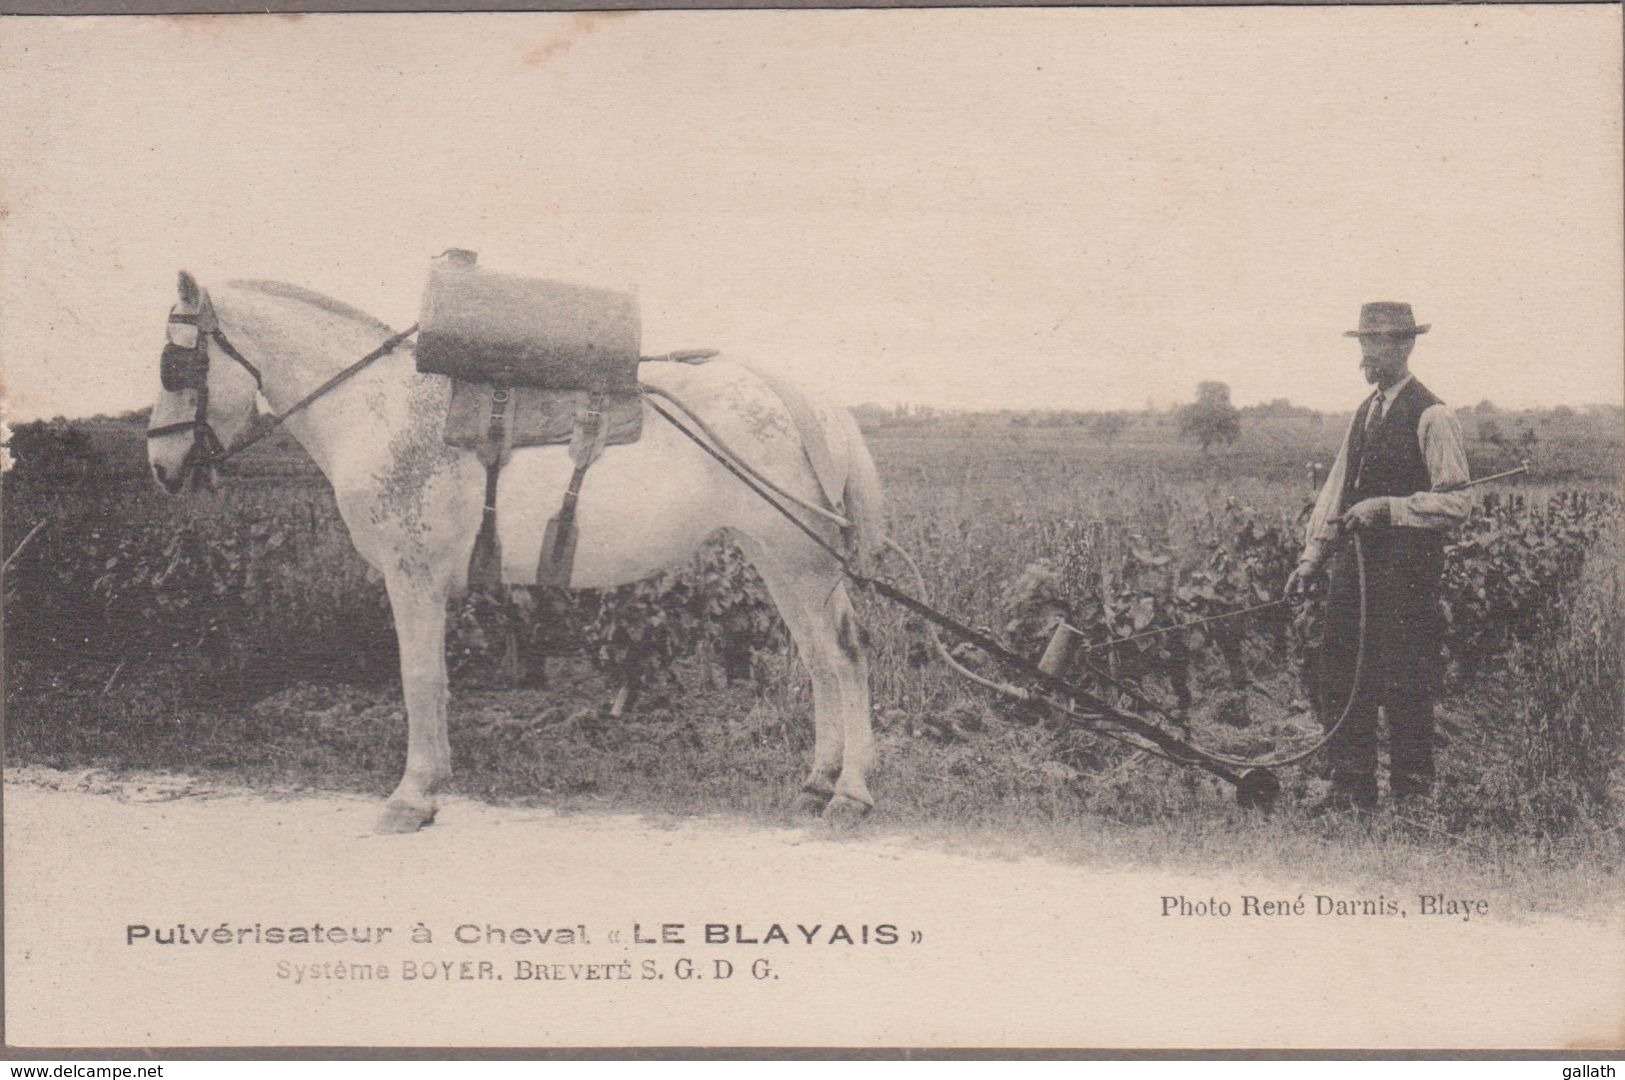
635,632
1509,568
267,592
1506,574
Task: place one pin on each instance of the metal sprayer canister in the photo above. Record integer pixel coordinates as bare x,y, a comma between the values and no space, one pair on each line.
486,326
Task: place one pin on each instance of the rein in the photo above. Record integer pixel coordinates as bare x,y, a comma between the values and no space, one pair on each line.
186,368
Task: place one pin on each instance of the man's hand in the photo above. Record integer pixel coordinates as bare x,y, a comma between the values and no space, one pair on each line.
1367,514
1302,580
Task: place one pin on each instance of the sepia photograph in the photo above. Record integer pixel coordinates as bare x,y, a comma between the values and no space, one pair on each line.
1082,528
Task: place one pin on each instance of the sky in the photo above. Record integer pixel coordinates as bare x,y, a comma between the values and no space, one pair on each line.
1031,208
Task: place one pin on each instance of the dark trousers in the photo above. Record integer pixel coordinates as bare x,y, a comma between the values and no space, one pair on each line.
1404,628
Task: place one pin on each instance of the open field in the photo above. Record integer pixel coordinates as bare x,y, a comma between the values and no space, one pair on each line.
236,637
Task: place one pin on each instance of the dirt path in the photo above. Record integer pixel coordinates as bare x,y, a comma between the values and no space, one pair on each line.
990,952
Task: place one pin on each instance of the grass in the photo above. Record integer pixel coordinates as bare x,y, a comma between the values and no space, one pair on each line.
738,754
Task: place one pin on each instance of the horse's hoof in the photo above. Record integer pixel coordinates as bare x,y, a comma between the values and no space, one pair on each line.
404,818
810,803
845,812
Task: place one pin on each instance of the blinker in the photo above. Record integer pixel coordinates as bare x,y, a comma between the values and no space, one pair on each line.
183,368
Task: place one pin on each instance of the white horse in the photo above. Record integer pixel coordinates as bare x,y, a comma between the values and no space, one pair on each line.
413,505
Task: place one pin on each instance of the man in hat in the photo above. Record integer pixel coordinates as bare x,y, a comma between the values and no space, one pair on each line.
1392,485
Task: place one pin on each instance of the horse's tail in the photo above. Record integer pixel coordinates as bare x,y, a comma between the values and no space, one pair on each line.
862,494
841,463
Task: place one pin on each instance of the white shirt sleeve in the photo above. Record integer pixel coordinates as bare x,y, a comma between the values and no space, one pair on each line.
1321,531
1439,434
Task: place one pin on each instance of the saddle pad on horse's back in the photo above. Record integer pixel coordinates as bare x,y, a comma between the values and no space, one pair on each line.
536,417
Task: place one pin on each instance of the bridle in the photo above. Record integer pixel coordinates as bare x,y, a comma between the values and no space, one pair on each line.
185,366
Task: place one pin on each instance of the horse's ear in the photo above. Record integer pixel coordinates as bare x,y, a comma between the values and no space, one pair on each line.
186,285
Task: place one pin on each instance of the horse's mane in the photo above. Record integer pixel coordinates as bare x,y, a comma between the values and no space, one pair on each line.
315,299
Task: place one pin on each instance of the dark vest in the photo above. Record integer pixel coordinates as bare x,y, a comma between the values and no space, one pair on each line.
1387,460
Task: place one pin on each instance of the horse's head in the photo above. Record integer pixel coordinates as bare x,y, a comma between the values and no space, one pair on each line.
203,406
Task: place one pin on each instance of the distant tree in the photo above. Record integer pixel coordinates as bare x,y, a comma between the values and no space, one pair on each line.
870,415
1108,426
1211,418
54,449
1277,408
1486,408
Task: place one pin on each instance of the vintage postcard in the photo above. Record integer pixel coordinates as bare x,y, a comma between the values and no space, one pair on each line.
1086,528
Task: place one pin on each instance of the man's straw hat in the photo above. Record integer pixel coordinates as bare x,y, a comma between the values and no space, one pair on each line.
1385,318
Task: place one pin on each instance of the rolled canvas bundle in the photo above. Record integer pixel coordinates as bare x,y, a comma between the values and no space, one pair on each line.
520,331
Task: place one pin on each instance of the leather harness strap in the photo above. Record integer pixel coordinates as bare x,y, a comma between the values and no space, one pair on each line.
230,350
485,561
557,561
207,448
